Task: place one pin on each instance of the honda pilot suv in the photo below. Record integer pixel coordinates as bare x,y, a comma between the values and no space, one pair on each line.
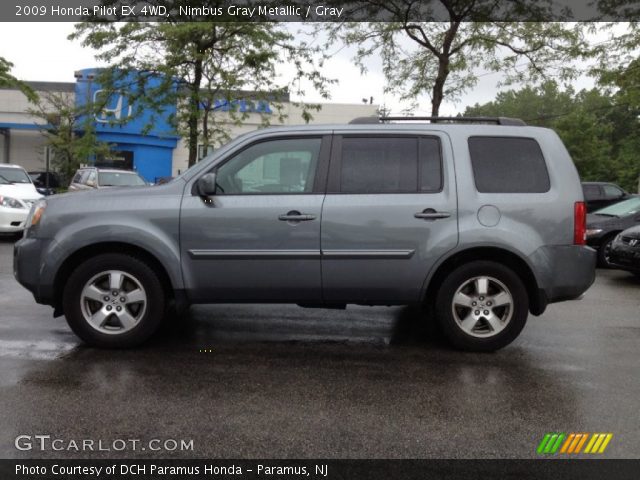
481,224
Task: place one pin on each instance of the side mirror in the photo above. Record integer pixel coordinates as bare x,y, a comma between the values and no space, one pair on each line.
206,185
91,184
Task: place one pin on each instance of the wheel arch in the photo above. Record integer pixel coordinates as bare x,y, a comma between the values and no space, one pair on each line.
537,299
89,251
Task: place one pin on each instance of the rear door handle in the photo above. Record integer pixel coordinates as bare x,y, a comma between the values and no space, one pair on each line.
431,214
295,216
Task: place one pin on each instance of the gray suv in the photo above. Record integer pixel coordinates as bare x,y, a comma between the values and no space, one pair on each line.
480,224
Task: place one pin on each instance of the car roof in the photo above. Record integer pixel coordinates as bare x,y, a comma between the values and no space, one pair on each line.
10,165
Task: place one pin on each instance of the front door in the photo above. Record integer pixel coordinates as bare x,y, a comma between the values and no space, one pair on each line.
390,213
258,238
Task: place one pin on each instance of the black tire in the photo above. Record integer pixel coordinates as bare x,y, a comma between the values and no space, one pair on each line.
482,339
603,251
150,313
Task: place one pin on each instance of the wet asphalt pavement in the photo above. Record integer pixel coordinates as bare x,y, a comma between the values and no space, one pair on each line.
286,382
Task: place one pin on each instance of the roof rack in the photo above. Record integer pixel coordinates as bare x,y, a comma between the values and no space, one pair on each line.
496,120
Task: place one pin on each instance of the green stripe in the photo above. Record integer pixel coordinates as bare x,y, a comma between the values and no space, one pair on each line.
543,443
550,443
555,448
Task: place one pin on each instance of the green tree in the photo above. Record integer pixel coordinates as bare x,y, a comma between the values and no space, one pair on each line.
441,58
68,133
9,81
201,61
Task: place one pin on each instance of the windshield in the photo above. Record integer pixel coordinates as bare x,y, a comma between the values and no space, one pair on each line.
621,209
14,175
119,179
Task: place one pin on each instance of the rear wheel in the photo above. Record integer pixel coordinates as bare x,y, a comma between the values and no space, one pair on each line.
114,301
482,306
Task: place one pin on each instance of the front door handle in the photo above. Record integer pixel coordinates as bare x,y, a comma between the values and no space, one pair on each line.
295,216
431,214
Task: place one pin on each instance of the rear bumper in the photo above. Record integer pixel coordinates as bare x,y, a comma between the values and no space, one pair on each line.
564,272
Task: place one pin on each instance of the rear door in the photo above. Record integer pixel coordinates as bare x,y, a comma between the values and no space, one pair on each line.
390,213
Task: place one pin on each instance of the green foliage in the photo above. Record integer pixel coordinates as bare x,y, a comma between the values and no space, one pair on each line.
9,81
207,61
441,58
71,140
601,133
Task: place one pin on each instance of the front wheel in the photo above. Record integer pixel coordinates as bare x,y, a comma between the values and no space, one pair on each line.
114,301
604,252
482,306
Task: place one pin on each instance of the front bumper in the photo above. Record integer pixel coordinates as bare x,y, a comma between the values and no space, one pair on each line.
12,220
564,272
27,268
625,256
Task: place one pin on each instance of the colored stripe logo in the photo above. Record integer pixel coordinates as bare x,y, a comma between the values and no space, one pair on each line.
573,443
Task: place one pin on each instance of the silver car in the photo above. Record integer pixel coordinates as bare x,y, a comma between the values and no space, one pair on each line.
479,224
89,178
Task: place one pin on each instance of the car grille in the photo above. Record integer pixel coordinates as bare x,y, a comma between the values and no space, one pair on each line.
631,241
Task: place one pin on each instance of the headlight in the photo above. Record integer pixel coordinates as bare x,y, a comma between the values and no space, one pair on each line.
10,202
593,231
36,213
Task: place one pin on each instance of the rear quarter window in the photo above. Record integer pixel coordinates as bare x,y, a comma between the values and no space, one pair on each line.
508,165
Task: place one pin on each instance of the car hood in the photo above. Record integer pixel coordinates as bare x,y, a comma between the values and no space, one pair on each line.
633,232
21,191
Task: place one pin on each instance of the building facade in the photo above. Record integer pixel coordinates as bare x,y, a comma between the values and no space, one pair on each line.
154,153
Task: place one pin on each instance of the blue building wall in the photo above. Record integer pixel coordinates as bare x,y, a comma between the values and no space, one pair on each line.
153,147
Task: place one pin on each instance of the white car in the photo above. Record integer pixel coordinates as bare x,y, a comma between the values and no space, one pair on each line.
17,195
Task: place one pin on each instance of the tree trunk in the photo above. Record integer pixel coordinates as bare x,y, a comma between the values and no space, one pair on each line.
438,86
192,123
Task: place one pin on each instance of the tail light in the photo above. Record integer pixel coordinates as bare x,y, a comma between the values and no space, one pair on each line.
580,223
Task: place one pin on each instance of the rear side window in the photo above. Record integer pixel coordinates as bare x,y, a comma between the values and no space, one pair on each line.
508,165
591,191
390,165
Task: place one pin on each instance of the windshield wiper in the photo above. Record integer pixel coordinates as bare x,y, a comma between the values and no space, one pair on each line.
607,215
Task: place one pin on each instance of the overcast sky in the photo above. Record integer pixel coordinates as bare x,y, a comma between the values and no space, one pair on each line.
41,51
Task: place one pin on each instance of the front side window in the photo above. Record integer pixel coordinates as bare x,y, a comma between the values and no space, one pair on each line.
611,191
275,166
390,165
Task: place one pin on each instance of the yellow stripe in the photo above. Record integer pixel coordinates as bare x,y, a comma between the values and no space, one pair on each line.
584,439
567,442
607,439
598,442
574,443
590,444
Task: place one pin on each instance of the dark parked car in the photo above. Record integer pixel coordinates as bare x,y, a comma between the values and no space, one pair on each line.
47,183
598,195
603,225
625,250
